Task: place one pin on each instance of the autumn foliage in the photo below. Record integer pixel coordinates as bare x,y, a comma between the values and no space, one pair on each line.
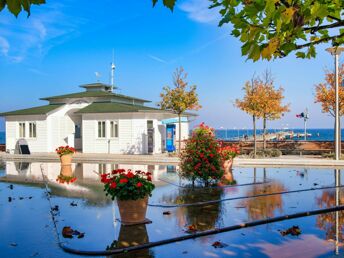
180,98
325,92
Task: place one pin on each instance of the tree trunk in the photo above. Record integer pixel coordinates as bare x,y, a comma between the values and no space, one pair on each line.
254,137
264,133
180,133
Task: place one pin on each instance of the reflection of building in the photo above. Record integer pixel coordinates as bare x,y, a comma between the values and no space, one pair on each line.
85,172
96,120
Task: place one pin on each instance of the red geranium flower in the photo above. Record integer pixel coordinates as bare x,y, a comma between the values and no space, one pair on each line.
139,184
113,185
123,180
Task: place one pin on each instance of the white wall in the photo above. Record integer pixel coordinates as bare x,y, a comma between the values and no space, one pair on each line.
61,124
132,137
38,144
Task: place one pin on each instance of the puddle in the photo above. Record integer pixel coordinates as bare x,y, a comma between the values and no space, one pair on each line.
83,206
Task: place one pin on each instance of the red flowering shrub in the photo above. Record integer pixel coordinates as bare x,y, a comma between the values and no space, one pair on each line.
64,150
127,185
229,152
201,158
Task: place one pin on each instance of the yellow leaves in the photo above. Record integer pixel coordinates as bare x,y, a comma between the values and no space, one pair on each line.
262,100
180,98
271,48
325,93
288,13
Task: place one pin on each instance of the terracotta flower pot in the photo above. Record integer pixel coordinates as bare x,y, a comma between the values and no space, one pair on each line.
66,170
133,211
66,159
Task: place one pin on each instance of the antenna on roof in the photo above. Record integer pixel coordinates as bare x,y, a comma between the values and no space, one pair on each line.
113,70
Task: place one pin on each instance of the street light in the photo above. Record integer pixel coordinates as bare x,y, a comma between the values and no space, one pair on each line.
336,51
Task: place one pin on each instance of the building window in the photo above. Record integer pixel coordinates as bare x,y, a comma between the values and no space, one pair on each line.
149,124
101,129
113,129
102,168
32,130
114,167
77,131
21,130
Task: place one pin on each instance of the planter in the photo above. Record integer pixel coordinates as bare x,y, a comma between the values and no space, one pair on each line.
66,159
66,170
133,211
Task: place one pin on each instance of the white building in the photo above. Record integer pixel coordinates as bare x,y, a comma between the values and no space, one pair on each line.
96,120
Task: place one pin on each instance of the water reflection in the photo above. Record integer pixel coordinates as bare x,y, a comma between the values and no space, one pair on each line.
132,236
332,223
265,206
203,217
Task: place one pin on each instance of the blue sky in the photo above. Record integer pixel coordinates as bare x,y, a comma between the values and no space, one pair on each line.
63,43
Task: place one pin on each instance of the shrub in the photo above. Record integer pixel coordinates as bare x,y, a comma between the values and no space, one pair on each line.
268,153
201,158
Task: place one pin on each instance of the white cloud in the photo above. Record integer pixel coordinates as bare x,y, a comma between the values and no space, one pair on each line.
158,59
4,46
198,10
33,37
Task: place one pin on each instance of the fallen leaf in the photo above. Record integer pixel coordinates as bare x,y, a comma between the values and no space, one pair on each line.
73,204
14,244
294,231
218,244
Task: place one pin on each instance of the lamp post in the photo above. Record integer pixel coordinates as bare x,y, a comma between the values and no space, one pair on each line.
335,51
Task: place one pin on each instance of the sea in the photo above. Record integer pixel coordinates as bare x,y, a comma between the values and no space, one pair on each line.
314,134
235,134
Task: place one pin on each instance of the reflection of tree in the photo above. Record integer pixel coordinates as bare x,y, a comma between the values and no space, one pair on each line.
132,236
265,206
204,217
327,221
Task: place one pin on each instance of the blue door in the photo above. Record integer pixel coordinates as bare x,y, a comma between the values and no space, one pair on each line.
170,134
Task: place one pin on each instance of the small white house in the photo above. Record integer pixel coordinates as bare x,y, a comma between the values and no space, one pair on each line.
96,120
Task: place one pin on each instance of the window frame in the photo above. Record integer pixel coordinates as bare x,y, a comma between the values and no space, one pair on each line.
19,129
101,131
33,133
114,129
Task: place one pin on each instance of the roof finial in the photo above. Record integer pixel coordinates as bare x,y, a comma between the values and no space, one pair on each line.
113,70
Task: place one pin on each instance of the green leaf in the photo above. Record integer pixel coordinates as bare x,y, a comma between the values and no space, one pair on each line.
14,6
2,4
169,3
300,54
154,2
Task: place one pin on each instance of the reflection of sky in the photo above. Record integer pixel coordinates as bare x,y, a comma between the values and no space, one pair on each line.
96,217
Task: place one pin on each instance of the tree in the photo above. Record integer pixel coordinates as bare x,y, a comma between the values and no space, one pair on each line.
271,102
325,93
16,6
275,28
179,99
251,105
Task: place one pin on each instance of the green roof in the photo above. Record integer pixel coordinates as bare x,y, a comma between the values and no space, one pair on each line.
86,94
41,110
111,107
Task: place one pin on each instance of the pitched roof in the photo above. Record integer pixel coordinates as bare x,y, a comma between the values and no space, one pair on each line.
86,94
41,110
112,107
